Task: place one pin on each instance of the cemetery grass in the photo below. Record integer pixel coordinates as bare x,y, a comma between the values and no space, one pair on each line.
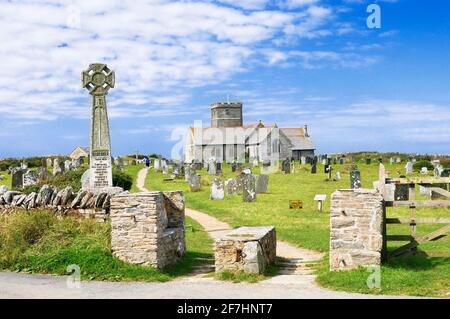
7,179
133,171
42,243
307,228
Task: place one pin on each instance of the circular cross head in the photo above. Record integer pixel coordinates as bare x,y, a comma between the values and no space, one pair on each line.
98,79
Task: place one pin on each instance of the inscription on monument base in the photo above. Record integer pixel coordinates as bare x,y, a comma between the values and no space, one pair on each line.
101,175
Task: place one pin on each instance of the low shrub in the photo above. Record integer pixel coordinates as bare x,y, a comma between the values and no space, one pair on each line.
122,179
417,166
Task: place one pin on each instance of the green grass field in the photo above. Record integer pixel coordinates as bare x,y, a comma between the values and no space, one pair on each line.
308,228
39,242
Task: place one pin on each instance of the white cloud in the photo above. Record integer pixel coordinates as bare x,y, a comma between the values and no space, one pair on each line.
156,47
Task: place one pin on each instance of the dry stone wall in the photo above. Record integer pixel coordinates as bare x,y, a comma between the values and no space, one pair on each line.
148,228
356,228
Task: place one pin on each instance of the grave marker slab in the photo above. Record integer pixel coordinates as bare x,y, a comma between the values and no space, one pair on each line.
261,184
249,188
355,179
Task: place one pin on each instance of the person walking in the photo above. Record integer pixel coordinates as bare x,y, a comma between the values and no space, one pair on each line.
147,162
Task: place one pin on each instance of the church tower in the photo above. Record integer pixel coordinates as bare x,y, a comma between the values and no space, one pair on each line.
226,114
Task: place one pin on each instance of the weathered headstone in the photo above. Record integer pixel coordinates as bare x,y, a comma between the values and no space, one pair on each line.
314,169
338,175
391,161
341,161
355,179
58,167
409,168
217,190
231,187
424,170
401,192
399,160
286,166
17,179
368,161
98,79
303,160
157,164
67,165
261,184
249,188
218,168
212,168
49,162
195,183
165,169
30,178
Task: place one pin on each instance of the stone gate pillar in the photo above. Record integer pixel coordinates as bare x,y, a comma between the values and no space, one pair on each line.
356,228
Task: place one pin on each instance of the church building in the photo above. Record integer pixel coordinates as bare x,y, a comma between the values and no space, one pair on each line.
228,139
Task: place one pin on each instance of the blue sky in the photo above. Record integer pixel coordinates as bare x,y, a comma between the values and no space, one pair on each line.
292,62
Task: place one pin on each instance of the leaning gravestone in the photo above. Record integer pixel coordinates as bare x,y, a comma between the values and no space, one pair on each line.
217,190
98,79
261,184
355,179
249,188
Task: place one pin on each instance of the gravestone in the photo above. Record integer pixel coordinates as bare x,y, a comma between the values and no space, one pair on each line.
324,161
17,179
44,162
240,181
212,168
334,161
424,170
67,165
217,191
233,167
231,187
399,160
409,168
314,169
355,179
391,161
58,167
303,160
341,161
49,162
98,79
255,163
157,164
338,175
218,168
286,166
165,169
195,182
261,184
326,169
401,192
368,161
30,178
249,188
23,166
328,161
292,168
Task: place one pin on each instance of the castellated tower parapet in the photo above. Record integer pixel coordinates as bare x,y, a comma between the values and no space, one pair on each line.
226,114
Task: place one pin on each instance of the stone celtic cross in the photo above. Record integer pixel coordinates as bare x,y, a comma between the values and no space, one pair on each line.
98,79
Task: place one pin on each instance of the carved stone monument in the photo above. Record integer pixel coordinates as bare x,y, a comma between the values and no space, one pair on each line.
98,79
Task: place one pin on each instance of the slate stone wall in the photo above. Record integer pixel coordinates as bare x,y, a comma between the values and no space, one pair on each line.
148,228
356,228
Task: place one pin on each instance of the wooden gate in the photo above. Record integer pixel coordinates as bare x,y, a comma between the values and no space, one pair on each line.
400,192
